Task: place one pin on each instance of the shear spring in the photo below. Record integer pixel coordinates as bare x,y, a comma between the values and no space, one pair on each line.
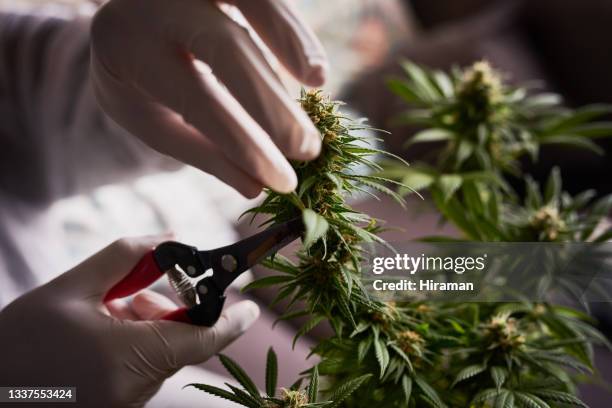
183,287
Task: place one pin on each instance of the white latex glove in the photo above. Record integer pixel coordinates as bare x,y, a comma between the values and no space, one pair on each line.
62,335
237,123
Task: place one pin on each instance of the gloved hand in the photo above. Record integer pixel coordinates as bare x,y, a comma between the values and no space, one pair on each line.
237,123
61,334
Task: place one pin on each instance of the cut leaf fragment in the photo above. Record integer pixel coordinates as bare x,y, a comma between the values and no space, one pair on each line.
316,226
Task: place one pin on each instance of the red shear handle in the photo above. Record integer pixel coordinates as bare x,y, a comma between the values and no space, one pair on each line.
178,315
142,275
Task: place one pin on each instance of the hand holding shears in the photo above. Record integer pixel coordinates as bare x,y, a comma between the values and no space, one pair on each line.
61,333
181,263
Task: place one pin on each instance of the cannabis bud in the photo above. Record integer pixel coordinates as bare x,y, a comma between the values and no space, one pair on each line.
293,398
411,342
480,85
548,222
503,331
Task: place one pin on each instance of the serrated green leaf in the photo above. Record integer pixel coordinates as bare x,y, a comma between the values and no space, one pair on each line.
403,355
530,400
247,400
308,326
574,141
578,117
464,151
444,83
407,388
271,372
485,395
553,187
430,135
218,392
505,399
238,373
429,391
498,374
400,88
468,372
363,347
542,100
416,180
313,387
344,390
421,84
560,396
449,184
382,355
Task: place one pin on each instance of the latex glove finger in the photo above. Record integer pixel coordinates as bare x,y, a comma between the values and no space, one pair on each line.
290,39
123,26
205,104
241,66
166,132
195,344
150,305
121,309
210,108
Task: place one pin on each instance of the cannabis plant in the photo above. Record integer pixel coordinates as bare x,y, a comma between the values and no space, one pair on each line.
486,124
482,127
325,278
249,395
553,215
386,354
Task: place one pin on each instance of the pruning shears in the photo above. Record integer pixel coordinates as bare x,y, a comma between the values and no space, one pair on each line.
181,263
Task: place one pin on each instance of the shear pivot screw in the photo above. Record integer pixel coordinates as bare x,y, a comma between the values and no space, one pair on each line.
191,270
229,263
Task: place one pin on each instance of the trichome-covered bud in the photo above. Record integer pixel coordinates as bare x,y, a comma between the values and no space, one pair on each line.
503,331
480,94
293,398
548,223
411,342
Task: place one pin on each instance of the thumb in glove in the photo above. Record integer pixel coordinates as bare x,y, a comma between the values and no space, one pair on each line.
62,334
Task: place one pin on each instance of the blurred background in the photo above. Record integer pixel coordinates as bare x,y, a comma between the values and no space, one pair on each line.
563,43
